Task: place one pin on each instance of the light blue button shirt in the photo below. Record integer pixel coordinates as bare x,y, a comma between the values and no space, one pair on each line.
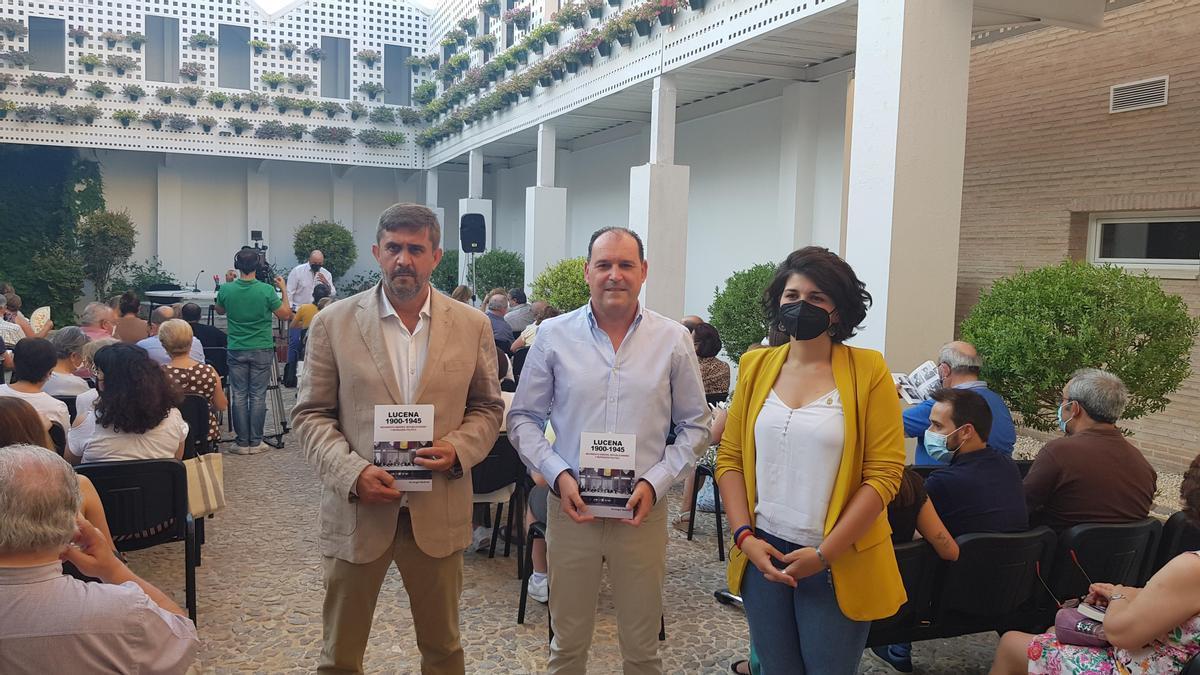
573,378
154,348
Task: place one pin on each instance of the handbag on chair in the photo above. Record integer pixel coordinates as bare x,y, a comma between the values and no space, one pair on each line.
206,484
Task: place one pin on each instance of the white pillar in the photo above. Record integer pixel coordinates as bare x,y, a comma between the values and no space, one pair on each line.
341,203
474,203
906,171
658,206
168,217
545,212
475,174
431,201
258,200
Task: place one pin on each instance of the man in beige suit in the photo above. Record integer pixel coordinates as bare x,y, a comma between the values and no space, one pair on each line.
398,343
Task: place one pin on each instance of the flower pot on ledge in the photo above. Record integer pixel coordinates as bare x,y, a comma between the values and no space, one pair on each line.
605,48
89,67
537,47
666,17
546,81
586,58
556,73
625,39
572,67
595,12
552,39
79,41
521,24
642,27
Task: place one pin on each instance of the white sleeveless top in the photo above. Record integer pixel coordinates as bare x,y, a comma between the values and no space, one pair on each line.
797,455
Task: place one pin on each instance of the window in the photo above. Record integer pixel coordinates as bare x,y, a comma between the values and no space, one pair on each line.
233,57
162,49
48,44
1167,243
397,76
335,68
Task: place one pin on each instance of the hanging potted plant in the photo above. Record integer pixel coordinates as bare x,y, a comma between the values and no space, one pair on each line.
331,108
17,58
79,34
13,28
288,48
283,103
300,81
98,89
133,92
136,40
270,130
621,28
255,100
62,114
518,17
459,36
332,134
383,115
571,62
521,53
180,123
191,94
449,45
315,53
218,99
206,123
259,46
240,125
63,84
408,116
111,38
371,89
166,94
236,101
154,118
88,113
490,7
595,8
6,107
202,41
643,16
584,45
469,24
507,61
296,131
121,63
306,106
272,79
5,80
29,113
38,82
572,14
89,62
416,63
368,56
192,70
667,9
357,109
485,43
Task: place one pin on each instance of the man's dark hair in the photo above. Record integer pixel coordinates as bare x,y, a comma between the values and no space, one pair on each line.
832,275
33,359
966,407
410,218
129,303
320,291
246,260
137,396
707,340
190,312
517,295
623,230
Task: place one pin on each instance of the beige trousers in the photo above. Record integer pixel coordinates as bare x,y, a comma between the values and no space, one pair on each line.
637,565
433,585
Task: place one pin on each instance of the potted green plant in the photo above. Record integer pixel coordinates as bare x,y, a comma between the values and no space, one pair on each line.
270,130
667,10
368,56
180,123
78,34
485,43
375,138
111,38
299,81
296,131
332,134
166,94
469,25
572,14
121,63
409,116
192,70
255,100
62,114
357,109
272,79
218,99
541,71
240,125
489,7
236,101
191,94
288,48
383,115
29,113
520,53
154,118
202,41
595,8
88,113
507,61
259,46
5,80
136,40
98,89
133,91
17,58
426,138
38,82
89,62
283,103
415,63
643,17
306,106
206,123
315,53
371,89
62,84
331,108
13,28
459,35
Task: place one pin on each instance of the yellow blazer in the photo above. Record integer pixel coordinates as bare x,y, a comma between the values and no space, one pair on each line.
865,578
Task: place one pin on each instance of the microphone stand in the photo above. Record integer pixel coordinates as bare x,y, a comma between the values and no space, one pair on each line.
196,282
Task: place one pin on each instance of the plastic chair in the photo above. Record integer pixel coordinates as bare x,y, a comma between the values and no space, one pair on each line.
146,504
71,407
58,436
704,472
719,397
1179,535
1115,553
495,481
194,409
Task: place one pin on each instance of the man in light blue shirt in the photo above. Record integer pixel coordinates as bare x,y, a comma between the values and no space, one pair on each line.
958,365
154,347
609,367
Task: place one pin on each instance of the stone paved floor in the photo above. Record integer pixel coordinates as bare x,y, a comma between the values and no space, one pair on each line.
259,591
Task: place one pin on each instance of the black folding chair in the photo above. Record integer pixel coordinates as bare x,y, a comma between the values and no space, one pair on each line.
1179,535
518,363
195,410
704,472
146,504
71,407
58,436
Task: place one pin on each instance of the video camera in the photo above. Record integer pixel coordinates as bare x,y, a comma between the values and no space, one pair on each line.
263,271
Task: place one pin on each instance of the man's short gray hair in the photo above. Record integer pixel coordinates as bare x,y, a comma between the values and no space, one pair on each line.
497,302
39,497
94,313
960,361
68,341
1102,394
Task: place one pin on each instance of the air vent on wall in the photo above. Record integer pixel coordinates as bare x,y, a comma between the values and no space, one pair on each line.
1149,93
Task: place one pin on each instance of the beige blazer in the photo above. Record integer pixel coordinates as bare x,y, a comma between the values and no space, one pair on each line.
347,373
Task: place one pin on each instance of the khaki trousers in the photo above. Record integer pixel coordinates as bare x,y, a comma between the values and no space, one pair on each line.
637,565
351,591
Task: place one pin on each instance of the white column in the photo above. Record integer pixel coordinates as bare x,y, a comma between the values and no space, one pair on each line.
475,174
168,217
658,206
906,170
545,212
341,203
474,203
258,200
431,201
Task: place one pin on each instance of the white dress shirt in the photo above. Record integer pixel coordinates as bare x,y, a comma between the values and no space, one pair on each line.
406,349
300,283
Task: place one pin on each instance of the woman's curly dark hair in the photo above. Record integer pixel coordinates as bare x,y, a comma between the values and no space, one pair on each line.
136,396
1189,492
832,275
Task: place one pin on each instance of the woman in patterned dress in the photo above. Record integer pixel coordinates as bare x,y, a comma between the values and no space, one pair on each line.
191,376
1153,630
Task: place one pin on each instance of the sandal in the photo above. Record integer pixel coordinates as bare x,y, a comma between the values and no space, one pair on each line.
736,667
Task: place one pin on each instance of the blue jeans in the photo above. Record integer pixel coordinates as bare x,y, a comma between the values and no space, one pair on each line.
801,630
249,375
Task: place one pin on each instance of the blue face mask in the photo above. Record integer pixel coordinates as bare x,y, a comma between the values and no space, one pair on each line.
935,445
1062,423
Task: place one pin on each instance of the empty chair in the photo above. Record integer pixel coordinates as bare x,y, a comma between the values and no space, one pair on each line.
1114,553
919,565
1179,535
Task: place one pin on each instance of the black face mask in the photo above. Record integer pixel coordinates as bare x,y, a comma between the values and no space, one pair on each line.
802,320
315,267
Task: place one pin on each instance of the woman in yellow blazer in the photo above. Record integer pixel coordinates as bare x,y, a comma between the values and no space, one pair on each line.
813,452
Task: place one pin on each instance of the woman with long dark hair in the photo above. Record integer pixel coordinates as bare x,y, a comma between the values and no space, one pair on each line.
136,415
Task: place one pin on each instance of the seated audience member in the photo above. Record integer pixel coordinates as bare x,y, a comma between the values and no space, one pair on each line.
135,416
130,327
68,348
10,332
958,366
21,425
212,339
33,359
97,321
87,400
528,335
231,276
497,306
691,321
154,346
1152,630
496,291
462,294
713,371
189,375
520,312
54,623
1091,475
13,314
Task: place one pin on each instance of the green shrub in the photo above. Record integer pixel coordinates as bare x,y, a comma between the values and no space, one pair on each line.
562,285
736,310
1036,328
332,239
358,283
497,269
139,277
106,241
445,275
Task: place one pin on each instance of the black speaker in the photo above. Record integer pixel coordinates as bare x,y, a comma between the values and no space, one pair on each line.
471,232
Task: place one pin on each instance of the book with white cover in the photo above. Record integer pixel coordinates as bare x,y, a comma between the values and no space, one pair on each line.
607,464
918,385
400,430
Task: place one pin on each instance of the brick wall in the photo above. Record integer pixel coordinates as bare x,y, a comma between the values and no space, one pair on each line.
1043,152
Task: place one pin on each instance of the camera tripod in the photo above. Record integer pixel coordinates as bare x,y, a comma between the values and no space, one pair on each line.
277,419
